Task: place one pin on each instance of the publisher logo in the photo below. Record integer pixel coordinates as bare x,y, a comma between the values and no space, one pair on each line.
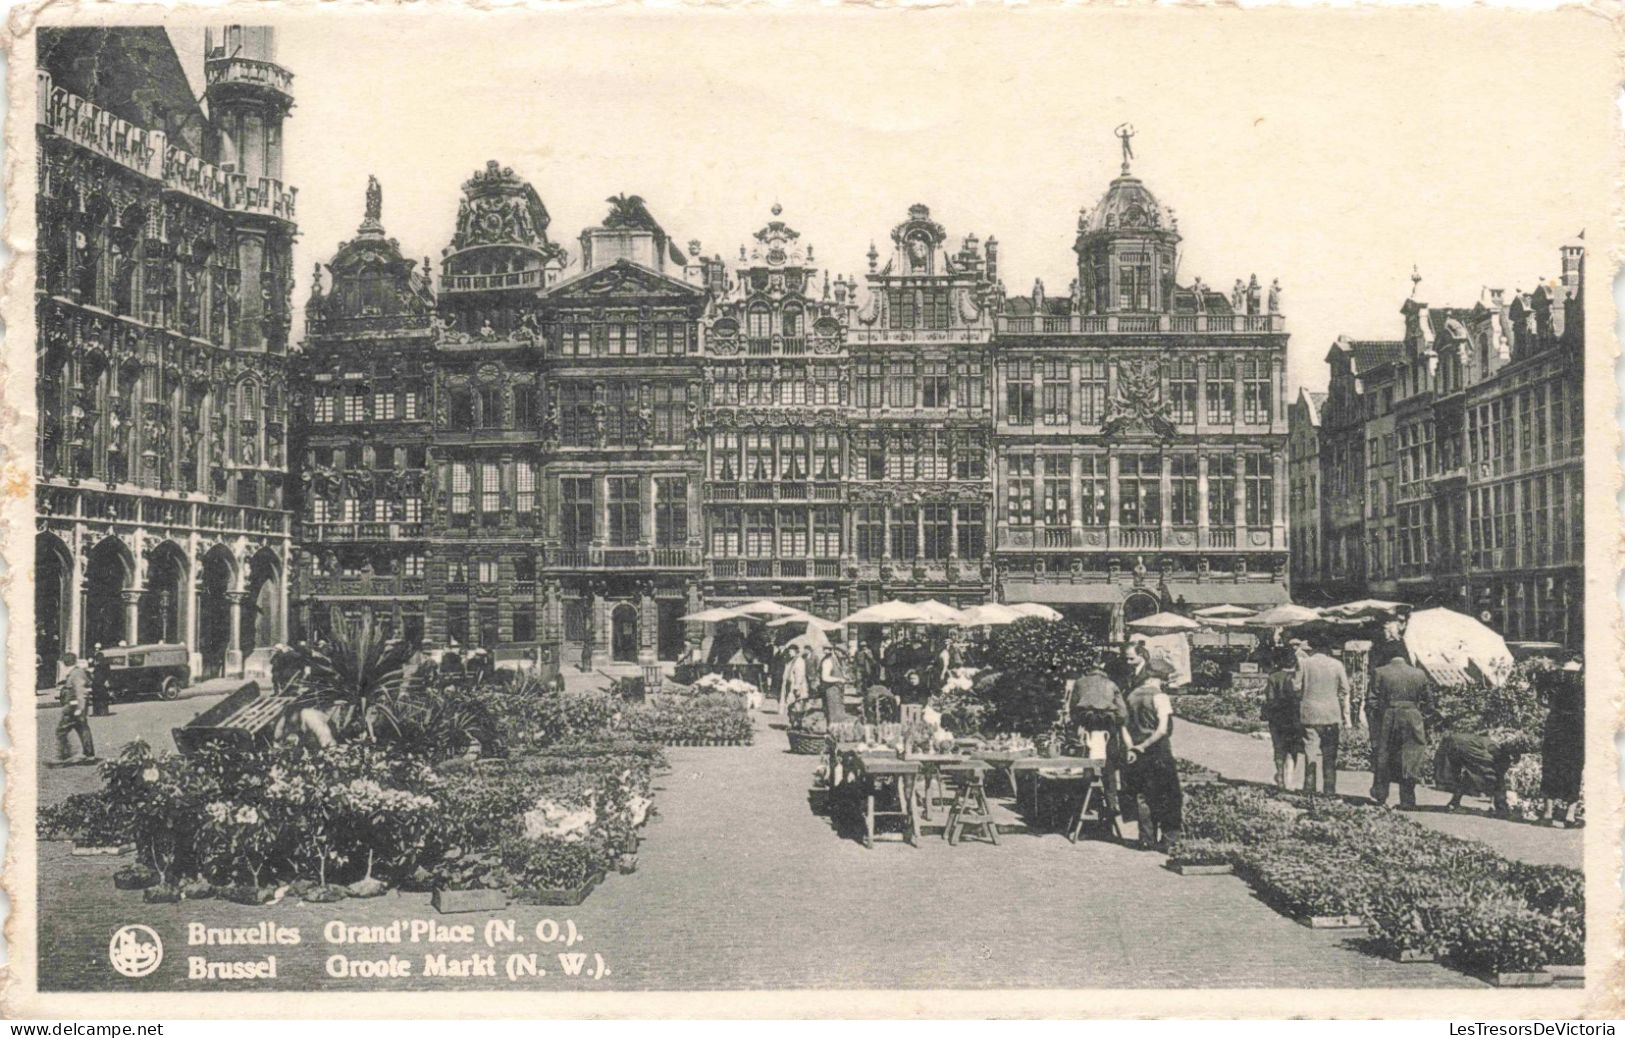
135,950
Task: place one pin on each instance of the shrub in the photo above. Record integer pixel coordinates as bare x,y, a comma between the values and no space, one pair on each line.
1196,851
1034,660
716,718
1500,934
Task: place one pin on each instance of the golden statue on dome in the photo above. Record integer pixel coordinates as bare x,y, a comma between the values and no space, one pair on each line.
1125,133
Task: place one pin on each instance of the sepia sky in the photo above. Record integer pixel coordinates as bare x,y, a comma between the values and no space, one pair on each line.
1333,151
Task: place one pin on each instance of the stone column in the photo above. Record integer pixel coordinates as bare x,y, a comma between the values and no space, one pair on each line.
1077,497
74,637
1240,496
1201,498
1167,492
132,614
1113,497
236,601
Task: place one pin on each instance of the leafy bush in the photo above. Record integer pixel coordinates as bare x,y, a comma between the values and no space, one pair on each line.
1193,851
716,718
1499,935
1034,660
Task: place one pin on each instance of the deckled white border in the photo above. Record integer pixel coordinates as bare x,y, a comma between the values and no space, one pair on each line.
1600,998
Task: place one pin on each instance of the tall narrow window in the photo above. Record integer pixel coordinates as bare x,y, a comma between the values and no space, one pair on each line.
462,488
1139,483
575,519
826,454
826,533
1182,391
938,520
866,390
727,532
1182,486
870,527
972,532
623,511
490,492
934,384
1256,394
759,533
1019,490
725,456
1221,391
671,512
1018,393
970,456
1057,491
1221,490
970,389
792,533
905,532
1092,391
524,487
1056,399
759,456
1093,503
933,456
1260,476
900,384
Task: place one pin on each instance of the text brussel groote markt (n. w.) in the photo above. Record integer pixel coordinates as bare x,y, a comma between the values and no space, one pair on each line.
406,947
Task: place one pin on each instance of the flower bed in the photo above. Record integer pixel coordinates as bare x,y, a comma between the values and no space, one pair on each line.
1420,893
715,719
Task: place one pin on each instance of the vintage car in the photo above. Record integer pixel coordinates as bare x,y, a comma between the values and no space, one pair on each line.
159,670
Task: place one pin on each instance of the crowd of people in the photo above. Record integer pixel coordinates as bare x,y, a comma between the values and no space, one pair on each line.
1306,703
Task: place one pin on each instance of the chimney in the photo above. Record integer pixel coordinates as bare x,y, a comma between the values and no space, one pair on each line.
992,250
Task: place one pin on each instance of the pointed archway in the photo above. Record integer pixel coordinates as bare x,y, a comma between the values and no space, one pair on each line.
219,578
53,602
164,599
262,622
109,572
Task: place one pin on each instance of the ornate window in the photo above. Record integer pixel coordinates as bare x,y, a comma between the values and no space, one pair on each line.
1139,488
905,532
490,492
1182,486
900,383
1094,505
792,533
1181,391
462,486
1057,491
1018,393
826,463
866,388
759,533
826,528
1056,400
576,511
670,413
1256,392
1260,476
870,450
1221,391
524,487
933,456
1221,490
671,512
727,532
1019,489
870,525
355,404
490,413
970,388
792,455
623,511
972,531
758,456
934,384
576,425
938,521
970,456
725,456
462,407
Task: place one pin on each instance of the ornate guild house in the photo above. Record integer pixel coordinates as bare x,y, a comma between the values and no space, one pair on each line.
776,386
561,456
1140,430
163,306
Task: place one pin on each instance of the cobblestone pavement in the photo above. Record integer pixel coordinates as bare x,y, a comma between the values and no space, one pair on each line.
743,884
1238,756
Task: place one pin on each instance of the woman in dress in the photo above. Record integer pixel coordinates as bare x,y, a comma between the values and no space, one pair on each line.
1280,711
1151,775
1562,749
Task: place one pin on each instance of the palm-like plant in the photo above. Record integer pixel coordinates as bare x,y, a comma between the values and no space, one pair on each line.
354,674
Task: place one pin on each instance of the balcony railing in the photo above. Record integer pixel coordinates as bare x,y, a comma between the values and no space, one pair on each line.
120,507
635,557
784,490
775,569
1143,324
487,282
356,531
248,71
149,153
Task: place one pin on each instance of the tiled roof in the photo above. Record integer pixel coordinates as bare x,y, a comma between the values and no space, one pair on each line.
1372,353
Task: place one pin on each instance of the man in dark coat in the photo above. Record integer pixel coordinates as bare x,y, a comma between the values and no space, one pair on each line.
75,720
1403,696
1562,746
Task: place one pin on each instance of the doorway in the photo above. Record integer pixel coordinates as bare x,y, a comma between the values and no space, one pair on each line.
669,628
624,633
53,573
107,574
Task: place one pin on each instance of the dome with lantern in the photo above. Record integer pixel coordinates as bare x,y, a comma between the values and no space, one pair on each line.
1128,247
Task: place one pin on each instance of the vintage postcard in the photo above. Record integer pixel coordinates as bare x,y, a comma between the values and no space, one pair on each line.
812,512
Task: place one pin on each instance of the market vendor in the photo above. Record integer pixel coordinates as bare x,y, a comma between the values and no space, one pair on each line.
1151,774
1470,764
1404,697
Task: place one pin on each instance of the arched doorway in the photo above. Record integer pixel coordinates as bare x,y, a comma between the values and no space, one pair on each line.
53,573
165,596
1140,605
624,633
107,574
214,611
264,626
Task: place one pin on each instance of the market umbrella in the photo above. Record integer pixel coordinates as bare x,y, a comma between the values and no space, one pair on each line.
814,623
938,612
716,614
1165,622
886,613
1287,615
1035,610
814,638
1225,612
989,614
764,608
1455,648
1366,607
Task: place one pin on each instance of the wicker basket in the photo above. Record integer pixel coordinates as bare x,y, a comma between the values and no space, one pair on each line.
811,743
